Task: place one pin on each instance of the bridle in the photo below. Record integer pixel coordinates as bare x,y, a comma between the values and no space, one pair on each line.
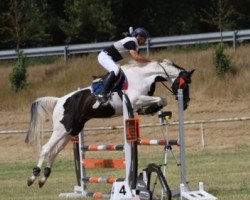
167,76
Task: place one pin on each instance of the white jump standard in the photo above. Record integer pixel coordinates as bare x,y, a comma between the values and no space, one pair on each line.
185,191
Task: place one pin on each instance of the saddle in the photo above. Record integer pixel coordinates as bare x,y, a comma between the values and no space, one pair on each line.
120,84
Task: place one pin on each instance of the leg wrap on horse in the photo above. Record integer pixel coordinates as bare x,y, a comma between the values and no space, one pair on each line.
149,110
36,171
47,172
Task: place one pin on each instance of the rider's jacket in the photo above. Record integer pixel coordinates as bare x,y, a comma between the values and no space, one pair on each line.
120,49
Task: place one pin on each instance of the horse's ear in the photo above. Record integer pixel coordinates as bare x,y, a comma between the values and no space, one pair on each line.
189,75
191,72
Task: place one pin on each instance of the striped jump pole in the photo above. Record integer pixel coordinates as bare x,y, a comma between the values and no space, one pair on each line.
120,147
110,180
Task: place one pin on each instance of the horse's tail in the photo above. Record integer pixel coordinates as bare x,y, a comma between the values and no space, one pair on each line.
38,109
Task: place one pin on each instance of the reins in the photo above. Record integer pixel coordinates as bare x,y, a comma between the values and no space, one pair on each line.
167,76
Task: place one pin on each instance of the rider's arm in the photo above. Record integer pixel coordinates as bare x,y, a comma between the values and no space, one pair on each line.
137,57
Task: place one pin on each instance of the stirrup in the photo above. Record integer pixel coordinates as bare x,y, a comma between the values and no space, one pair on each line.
102,98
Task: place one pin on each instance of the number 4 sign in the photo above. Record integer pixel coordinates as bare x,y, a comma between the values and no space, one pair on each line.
121,191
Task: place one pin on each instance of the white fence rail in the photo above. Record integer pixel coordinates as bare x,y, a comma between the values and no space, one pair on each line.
97,129
157,42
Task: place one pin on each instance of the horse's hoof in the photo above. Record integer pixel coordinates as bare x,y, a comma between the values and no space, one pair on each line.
30,181
41,182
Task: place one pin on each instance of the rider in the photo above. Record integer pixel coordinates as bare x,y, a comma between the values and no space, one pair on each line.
116,52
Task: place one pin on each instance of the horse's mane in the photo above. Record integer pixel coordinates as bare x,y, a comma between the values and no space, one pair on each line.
133,63
169,62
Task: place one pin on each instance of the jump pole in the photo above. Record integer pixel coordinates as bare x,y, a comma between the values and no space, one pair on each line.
182,138
185,191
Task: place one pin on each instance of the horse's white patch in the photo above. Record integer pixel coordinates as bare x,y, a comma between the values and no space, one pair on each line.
96,104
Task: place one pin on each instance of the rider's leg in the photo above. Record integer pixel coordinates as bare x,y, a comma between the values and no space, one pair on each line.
107,87
106,61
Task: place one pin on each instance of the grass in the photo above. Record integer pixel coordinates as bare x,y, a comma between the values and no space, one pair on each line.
225,174
13,181
54,78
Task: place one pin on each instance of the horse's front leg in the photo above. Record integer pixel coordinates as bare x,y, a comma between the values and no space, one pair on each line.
149,104
52,155
55,138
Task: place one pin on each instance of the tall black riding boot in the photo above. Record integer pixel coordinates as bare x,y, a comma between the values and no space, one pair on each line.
108,85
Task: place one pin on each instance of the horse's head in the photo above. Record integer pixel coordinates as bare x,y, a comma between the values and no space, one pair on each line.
179,77
182,82
150,73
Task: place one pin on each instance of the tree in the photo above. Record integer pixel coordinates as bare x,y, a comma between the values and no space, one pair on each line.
24,24
160,17
15,18
87,20
54,13
4,42
243,14
35,23
220,14
18,74
222,62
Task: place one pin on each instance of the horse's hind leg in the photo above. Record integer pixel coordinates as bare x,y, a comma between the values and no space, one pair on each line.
55,138
52,155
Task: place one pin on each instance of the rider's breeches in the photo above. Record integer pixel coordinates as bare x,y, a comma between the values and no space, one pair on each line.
106,61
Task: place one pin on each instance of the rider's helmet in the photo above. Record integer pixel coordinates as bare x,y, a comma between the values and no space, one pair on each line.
140,31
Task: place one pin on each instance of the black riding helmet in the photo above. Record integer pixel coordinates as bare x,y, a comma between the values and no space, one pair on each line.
140,31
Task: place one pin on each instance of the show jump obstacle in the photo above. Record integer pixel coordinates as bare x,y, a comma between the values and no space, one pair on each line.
134,187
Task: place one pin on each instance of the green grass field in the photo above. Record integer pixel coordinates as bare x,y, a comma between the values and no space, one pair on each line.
225,173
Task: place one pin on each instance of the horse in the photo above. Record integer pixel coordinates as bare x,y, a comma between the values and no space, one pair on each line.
69,113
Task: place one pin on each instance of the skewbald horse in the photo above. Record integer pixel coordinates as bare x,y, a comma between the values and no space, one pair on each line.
70,112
